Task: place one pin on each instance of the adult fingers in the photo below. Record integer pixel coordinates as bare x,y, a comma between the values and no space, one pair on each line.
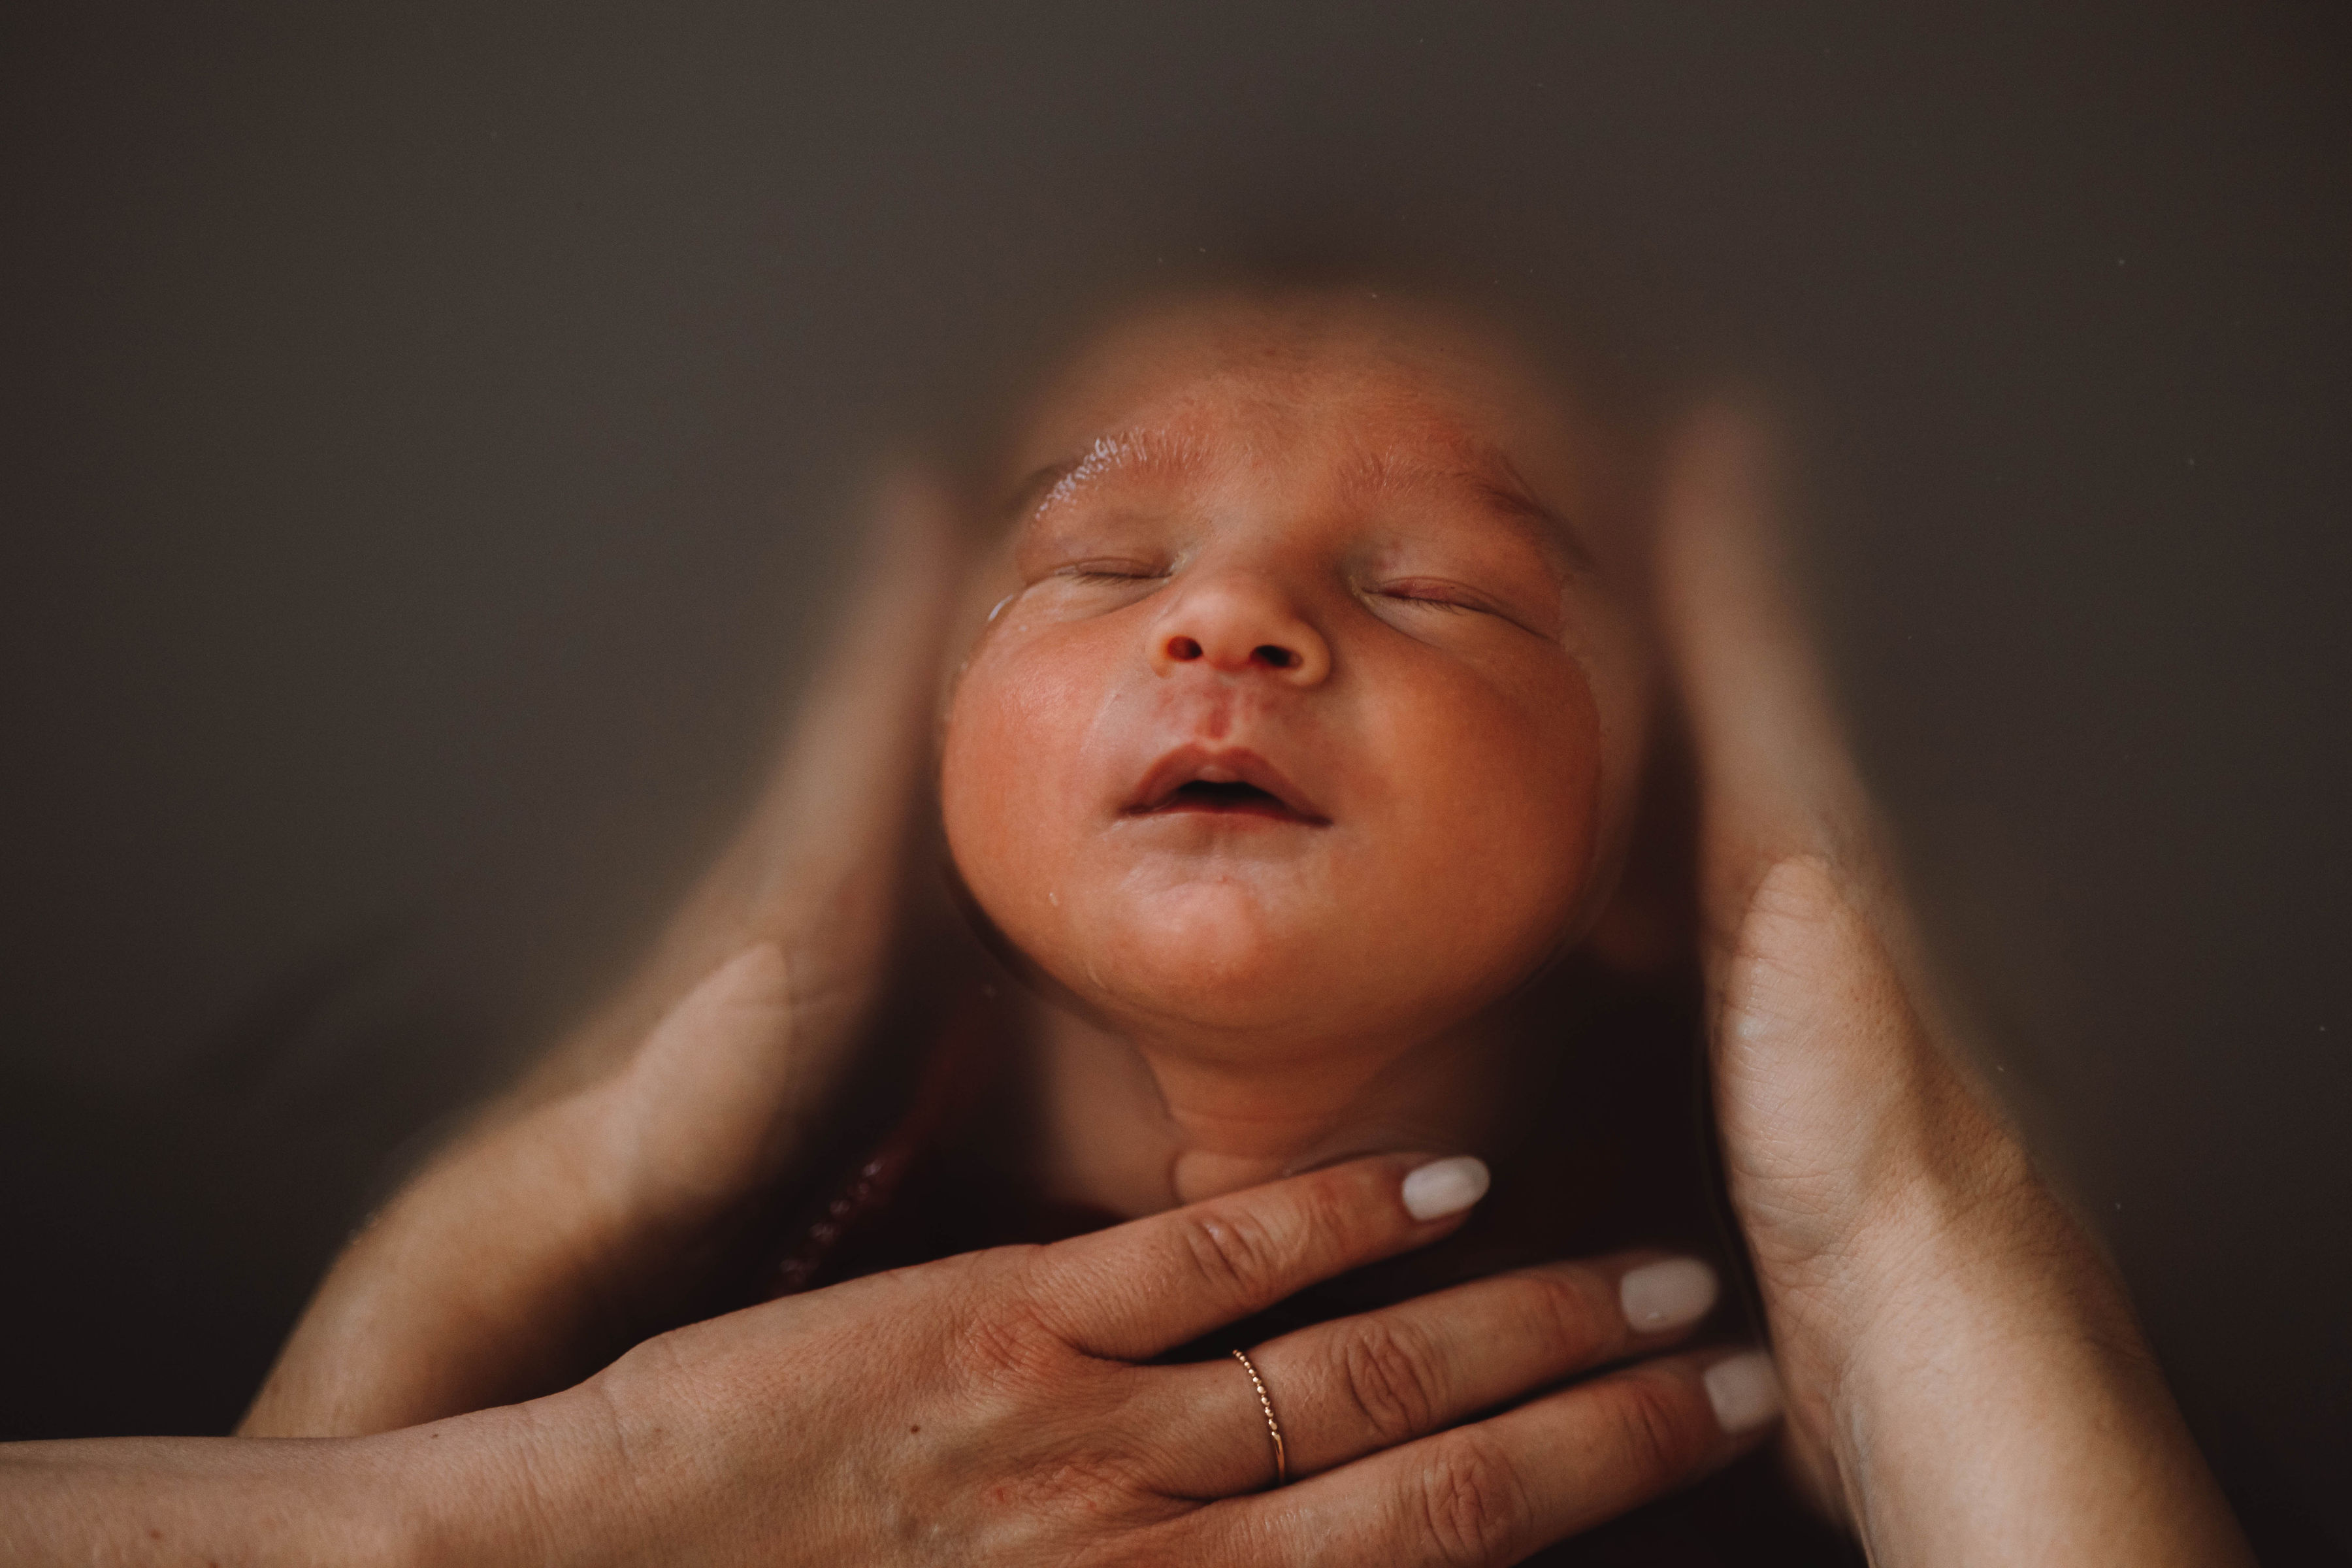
691,1125
1496,1490
1824,1012
1778,786
1140,1288
831,825
1777,778
817,864
1345,1389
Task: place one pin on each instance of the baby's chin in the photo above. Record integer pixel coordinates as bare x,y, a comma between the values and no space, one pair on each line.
1217,971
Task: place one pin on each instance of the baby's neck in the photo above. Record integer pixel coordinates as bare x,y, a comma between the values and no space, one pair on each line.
1134,1130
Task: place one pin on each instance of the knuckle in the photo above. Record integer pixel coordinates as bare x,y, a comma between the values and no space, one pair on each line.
1390,1376
1009,1342
1235,1251
1654,1435
1091,1480
1177,1538
1472,1502
1569,1318
1343,1204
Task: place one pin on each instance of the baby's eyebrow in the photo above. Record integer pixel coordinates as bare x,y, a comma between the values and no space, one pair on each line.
1488,473
1127,450
1030,492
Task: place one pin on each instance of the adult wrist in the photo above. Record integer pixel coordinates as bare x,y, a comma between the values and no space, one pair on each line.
2013,1367
1975,1282
1946,1243
518,1485
1939,1201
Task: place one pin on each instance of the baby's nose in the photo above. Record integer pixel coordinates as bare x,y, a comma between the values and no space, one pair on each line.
1235,627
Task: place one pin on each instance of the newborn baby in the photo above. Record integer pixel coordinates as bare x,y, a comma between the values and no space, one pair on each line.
1307,726
1297,770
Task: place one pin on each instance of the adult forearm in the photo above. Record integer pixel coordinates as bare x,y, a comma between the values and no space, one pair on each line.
484,1282
458,1493
533,1252
2006,1409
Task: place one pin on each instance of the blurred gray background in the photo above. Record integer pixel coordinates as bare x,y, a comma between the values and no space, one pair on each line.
428,437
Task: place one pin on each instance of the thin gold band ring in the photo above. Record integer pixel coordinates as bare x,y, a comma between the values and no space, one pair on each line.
1273,1427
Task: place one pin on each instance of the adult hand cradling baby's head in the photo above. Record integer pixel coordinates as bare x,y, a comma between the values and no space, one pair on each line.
1311,720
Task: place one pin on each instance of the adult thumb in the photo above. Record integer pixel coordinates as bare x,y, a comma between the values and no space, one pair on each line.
710,1109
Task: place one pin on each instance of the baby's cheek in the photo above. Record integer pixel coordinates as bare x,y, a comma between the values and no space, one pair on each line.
1000,774
1503,791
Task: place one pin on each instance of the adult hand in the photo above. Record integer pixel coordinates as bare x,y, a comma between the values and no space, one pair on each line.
996,1407
999,1408
590,1206
1964,1375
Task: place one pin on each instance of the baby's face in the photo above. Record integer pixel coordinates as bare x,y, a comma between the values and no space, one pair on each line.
1313,713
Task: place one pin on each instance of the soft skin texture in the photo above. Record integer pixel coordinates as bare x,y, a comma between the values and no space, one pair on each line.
1357,554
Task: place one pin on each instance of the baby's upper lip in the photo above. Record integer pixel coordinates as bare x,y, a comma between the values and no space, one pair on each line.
1218,764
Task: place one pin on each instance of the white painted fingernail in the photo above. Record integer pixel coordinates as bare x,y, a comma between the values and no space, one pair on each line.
1745,1392
1444,1186
1662,1296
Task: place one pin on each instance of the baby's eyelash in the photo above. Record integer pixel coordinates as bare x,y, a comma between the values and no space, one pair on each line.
1110,571
1455,599
1449,599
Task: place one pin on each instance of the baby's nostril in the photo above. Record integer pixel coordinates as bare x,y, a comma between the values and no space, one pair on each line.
1183,647
1280,657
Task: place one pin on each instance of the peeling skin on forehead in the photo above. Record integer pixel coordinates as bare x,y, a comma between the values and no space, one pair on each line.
1132,451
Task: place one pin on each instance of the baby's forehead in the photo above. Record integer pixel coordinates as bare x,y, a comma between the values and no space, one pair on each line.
1188,366
1375,394
1193,448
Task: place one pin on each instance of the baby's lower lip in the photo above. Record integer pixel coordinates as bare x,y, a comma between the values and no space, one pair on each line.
1267,811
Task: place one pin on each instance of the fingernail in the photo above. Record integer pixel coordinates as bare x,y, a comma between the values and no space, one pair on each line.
1745,1392
1444,1186
1662,1296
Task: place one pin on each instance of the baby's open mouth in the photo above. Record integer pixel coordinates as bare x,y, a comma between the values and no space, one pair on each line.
1201,794
1223,783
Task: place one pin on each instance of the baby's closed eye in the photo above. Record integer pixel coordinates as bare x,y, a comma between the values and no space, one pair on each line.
1112,570
1439,594
1463,572
1421,602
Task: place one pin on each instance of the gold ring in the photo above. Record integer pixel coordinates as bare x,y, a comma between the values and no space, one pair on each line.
1273,1427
